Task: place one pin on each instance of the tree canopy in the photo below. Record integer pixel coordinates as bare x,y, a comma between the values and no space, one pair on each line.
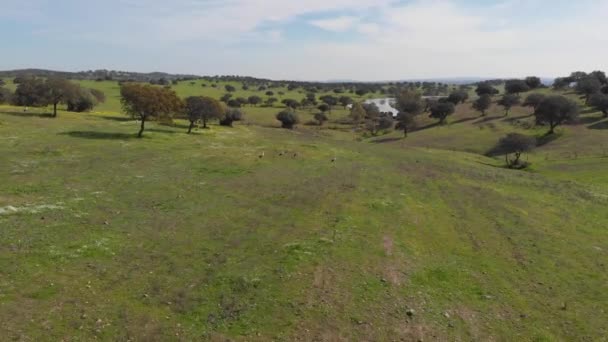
483,103
508,101
144,101
203,109
555,110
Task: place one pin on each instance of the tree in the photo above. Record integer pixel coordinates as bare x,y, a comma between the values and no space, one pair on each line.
533,82
561,83
357,114
533,100
323,107
226,97
600,76
230,116
288,119
30,92
229,88
269,93
202,108
483,103
329,100
345,101
270,101
81,100
321,118
254,100
556,110
406,122
409,101
599,101
6,95
98,95
441,110
291,103
60,90
515,143
144,101
587,87
516,86
508,101
485,88
458,96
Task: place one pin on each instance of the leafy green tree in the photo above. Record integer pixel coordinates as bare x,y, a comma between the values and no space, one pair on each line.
329,100
345,101
6,95
516,86
59,90
533,82
357,114
271,101
203,109
291,103
144,101
230,116
442,110
555,110
516,144
599,101
485,88
32,92
406,122
288,119
508,101
229,88
588,86
482,104
458,96
533,100
254,100
321,118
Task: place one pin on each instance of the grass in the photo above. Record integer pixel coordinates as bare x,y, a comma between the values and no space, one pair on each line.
194,237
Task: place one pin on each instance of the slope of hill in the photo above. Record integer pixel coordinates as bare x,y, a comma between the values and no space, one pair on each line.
197,237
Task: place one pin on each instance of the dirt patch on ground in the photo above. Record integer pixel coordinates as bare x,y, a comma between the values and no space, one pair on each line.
387,242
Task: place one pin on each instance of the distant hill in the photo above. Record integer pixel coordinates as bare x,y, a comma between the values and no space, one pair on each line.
103,74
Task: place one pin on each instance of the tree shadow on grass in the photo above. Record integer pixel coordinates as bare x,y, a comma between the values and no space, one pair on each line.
435,124
28,114
386,140
487,119
115,118
599,125
516,118
464,120
547,138
588,120
99,135
168,131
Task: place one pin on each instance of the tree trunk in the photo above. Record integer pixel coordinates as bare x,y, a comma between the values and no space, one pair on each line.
54,109
204,123
142,126
405,132
517,156
190,127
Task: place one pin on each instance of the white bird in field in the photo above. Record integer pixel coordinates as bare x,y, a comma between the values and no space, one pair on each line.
261,155
333,160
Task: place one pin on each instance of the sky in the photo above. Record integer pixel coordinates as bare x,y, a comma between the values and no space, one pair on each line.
364,40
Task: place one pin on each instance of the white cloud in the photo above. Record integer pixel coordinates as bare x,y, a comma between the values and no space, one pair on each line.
339,24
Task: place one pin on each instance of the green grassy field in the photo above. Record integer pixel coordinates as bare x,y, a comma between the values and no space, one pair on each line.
194,237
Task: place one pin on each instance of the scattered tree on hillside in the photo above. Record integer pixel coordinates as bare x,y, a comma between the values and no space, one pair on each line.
31,92
485,88
599,101
533,100
587,87
516,86
329,100
98,95
357,114
254,100
231,115
321,118
458,97
291,103
144,101
508,101
202,108
600,76
533,82
345,101
6,95
516,144
271,101
441,110
288,119
229,88
59,90
482,104
269,93
406,122
323,108
556,110
376,121
225,98
81,100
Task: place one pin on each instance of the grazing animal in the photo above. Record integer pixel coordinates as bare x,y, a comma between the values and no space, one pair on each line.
295,155
333,160
261,155
281,153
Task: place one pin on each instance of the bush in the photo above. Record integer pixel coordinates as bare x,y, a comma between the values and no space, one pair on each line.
321,118
231,116
288,119
516,144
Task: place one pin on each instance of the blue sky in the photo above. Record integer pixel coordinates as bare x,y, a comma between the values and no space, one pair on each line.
309,40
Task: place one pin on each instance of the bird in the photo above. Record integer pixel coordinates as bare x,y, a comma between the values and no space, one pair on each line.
281,153
261,155
295,155
333,160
